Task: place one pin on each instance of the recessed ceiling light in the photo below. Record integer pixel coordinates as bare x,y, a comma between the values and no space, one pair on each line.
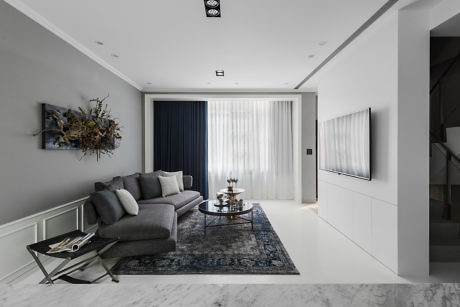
322,43
100,43
115,55
208,83
148,83
236,83
286,83
311,56
220,73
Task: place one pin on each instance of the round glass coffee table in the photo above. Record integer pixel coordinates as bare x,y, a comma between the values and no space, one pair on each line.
212,207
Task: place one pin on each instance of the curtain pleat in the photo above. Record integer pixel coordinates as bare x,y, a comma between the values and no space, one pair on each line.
181,140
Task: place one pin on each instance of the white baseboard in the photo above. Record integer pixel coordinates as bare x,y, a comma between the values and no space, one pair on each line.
15,260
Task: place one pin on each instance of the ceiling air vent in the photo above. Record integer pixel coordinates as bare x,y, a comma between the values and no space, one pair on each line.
212,8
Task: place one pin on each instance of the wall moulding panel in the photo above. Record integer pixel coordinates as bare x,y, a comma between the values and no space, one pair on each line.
16,261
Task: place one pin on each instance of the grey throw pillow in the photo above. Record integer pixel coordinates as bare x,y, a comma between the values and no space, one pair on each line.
107,206
150,185
131,183
115,184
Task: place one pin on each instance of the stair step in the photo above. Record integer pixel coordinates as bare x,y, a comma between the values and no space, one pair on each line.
436,208
443,229
445,251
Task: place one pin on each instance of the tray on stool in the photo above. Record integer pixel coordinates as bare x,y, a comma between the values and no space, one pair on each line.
97,246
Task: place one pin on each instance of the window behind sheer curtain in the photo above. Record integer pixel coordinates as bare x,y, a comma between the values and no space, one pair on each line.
252,141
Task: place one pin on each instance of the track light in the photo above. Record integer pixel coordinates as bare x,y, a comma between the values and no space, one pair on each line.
212,8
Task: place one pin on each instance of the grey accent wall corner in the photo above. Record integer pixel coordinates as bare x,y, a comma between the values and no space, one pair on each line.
35,67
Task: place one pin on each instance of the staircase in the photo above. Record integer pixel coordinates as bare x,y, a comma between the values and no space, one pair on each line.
444,235
444,113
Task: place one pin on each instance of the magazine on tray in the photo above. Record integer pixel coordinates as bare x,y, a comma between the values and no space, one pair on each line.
70,244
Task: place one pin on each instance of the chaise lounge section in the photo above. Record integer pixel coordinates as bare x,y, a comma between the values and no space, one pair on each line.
154,229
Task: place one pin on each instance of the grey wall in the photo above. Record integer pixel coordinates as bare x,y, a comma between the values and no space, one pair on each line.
308,141
35,67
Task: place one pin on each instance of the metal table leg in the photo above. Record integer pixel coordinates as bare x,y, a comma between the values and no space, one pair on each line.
205,223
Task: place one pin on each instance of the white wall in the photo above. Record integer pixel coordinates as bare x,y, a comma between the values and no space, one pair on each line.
413,142
386,69
362,76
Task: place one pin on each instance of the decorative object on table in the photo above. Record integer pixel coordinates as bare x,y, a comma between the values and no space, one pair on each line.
220,200
93,131
97,247
233,210
232,197
239,251
231,183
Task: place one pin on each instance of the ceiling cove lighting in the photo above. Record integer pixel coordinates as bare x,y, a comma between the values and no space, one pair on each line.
220,73
212,8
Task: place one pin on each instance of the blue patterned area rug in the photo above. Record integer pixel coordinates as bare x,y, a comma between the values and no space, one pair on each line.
223,250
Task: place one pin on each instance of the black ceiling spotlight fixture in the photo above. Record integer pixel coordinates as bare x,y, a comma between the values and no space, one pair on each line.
220,73
212,8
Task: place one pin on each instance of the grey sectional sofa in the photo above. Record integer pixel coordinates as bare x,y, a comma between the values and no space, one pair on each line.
154,229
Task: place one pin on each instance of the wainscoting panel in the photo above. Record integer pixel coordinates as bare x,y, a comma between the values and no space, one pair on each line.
14,256
61,223
369,222
15,260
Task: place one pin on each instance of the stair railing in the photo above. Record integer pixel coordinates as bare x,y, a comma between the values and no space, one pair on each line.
450,157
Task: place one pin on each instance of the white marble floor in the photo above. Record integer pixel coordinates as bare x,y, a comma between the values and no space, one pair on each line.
320,253
399,295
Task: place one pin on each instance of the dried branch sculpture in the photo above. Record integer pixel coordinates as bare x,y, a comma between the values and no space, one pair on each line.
94,130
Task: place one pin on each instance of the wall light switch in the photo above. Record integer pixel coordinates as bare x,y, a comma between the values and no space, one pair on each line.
309,151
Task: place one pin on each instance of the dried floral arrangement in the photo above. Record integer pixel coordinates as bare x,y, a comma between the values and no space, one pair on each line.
94,130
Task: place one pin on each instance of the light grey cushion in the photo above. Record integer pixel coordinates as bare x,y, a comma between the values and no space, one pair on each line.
107,206
127,201
152,222
150,185
178,175
112,185
178,200
169,186
131,183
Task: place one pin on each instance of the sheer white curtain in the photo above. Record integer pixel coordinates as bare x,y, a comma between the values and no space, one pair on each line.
251,140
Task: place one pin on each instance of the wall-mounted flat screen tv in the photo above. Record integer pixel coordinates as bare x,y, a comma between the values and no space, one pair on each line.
345,145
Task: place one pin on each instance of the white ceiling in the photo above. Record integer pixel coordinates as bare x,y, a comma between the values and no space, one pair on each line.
261,44
448,28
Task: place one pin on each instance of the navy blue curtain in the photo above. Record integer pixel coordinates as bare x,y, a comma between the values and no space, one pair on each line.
181,140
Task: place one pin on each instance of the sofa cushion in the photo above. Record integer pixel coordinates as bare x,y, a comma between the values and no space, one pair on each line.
169,186
152,222
178,175
131,183
178,200
150,185
115,184
107,206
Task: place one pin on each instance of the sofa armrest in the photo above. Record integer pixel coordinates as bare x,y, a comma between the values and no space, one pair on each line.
188,181
90,212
